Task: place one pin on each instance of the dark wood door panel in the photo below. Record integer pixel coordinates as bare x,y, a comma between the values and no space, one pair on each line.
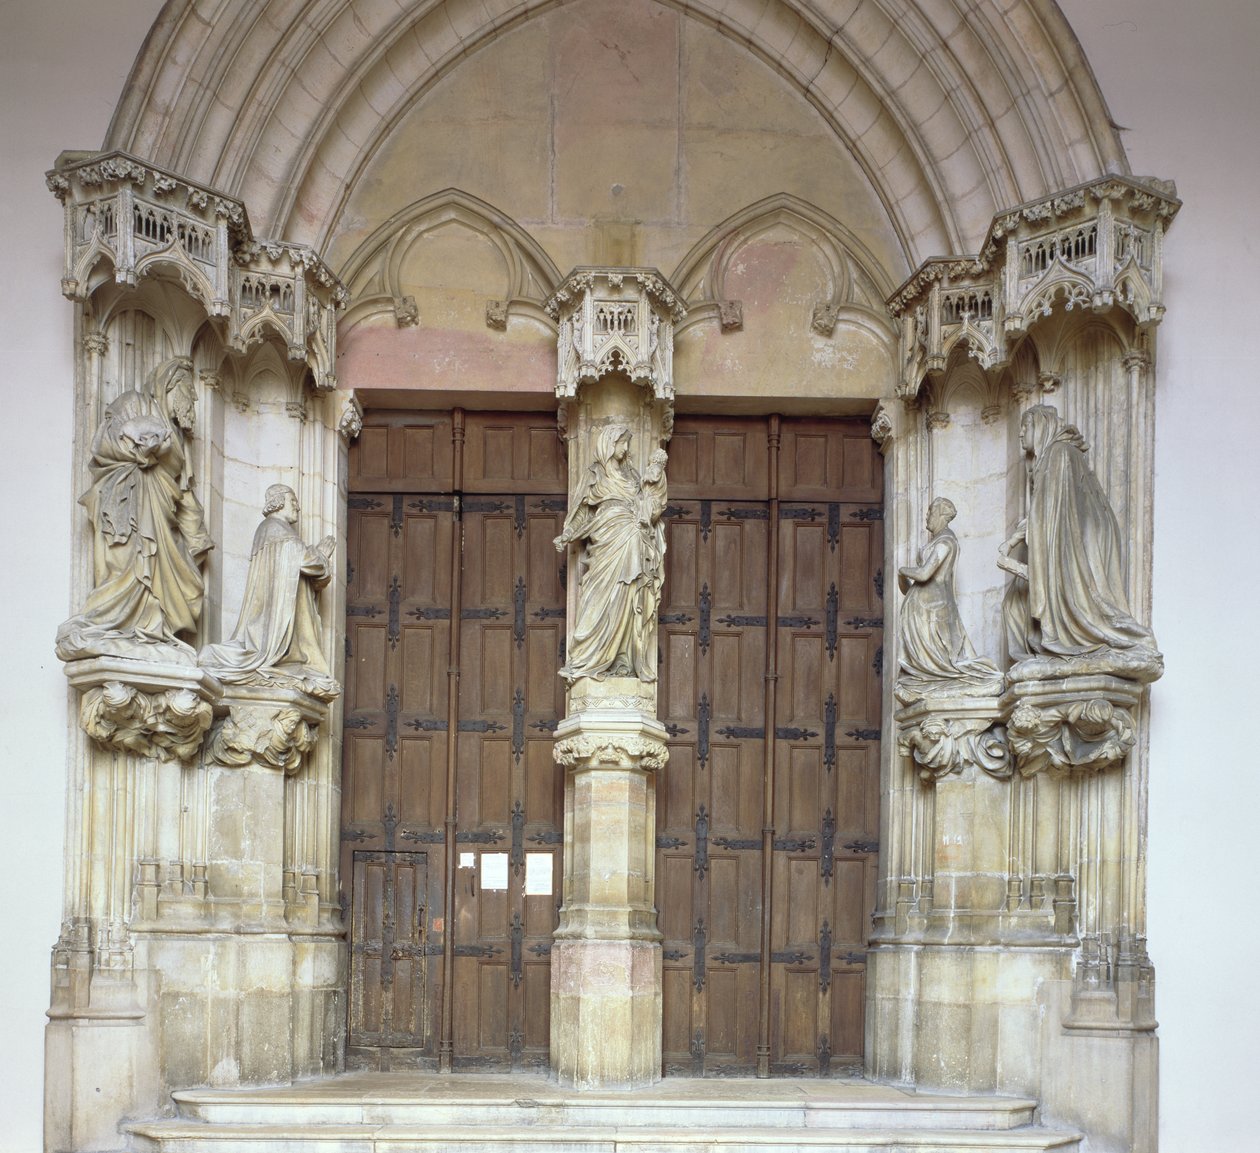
826,620
726,1006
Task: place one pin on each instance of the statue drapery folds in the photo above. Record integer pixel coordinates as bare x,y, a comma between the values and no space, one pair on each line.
1068,599
277,635
615,518
149,533
937,658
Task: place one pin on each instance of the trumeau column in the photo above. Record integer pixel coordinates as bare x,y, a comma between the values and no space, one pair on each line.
201,941
616,408
1009,945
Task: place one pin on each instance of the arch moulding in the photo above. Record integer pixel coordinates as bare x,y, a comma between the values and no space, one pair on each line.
990,257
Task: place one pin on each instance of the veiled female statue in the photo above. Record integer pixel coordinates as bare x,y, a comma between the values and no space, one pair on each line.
615,518
937,658
277,635
1068,599
149,531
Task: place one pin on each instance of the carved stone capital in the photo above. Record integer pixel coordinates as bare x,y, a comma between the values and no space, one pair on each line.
945,735
883,427
144,707
351,422
406,312
615,739
497,315
1083,722
731,315
823,320
272,728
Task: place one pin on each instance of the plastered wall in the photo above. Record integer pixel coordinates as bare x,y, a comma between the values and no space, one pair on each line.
1183,83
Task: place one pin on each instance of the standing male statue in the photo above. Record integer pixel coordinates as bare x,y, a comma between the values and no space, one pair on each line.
277,636
149,531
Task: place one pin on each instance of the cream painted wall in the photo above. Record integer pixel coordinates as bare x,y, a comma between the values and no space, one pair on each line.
1182,80
62,66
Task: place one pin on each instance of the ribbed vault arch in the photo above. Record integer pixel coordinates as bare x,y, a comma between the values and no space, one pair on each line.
953,108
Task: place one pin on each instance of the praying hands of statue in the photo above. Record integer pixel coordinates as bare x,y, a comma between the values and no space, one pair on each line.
1005,561
328,546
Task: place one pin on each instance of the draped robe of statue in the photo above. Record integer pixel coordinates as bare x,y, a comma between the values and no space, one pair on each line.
277,635
1076,596
937,658
149,531
616,520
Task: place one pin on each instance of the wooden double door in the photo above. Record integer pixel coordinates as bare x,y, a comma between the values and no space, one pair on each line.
453,807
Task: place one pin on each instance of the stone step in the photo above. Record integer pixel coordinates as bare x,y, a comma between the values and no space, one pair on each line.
199,1137
522,1113
515,1101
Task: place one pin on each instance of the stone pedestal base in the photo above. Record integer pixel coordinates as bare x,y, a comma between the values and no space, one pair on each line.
606,960
606,1013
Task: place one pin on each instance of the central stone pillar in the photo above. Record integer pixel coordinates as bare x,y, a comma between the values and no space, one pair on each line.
616,410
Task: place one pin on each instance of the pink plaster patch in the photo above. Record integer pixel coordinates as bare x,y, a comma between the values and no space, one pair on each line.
445,359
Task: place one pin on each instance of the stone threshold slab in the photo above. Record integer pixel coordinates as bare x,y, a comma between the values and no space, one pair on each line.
185,1137
523,1100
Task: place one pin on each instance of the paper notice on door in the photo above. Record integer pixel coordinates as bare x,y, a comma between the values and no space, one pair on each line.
538,874
494,871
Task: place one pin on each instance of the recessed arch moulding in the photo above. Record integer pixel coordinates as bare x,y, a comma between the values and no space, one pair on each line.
432,171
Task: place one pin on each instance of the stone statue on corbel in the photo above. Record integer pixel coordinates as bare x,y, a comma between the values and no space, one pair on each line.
615,518
277,682
950,697
1079,659
141,690
614,362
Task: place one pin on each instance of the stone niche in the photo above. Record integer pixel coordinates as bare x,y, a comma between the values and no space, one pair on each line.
1011,905
201,904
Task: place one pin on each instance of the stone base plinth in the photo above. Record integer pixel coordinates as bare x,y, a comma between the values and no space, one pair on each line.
606,960
606,1013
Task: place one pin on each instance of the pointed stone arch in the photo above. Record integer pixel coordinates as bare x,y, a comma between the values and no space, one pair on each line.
856,284
373,272
950,117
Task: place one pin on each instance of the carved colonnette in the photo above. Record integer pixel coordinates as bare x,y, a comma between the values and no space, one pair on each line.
615,386
203,788
1011,880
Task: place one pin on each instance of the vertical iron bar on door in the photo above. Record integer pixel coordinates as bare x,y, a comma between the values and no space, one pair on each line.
446,1047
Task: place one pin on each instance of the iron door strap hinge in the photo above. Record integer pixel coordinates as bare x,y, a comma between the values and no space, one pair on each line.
701,865
518,613
517,854
829,732
476,950
516,936
832,617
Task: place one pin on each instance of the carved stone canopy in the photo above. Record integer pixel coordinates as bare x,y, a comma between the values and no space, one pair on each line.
1097,246
616,320
142,220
